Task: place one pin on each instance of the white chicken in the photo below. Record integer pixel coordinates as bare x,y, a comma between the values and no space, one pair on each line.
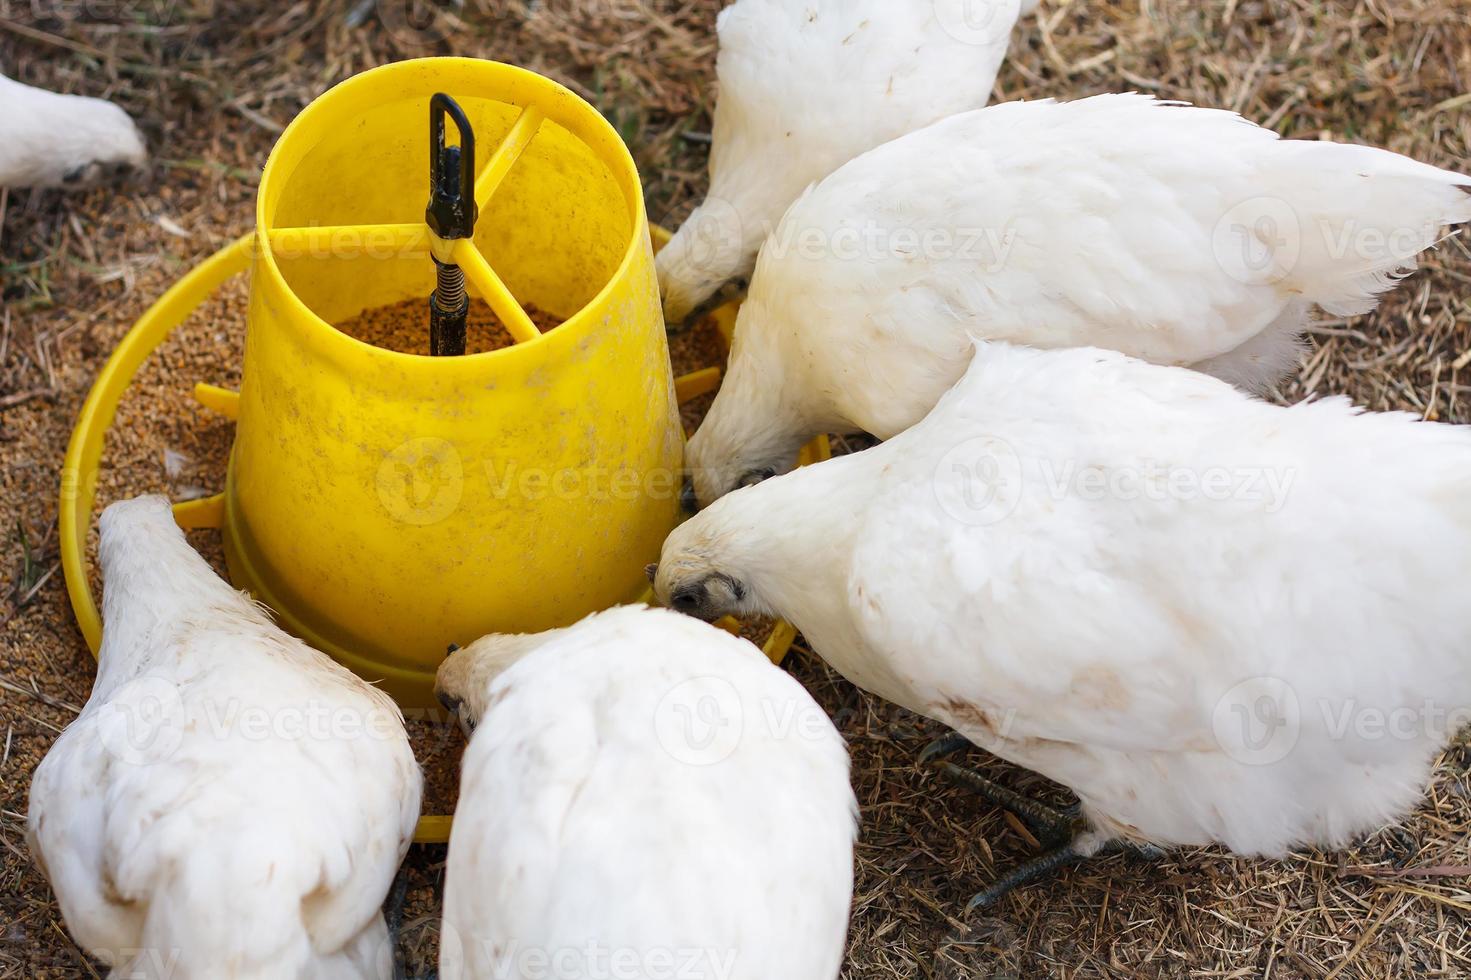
643,795
230,804
70,141
1217,620
1179,235
804,86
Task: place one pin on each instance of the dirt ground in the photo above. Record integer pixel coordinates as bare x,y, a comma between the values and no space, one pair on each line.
212,83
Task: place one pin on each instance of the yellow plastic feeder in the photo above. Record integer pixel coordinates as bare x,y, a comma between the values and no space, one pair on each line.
384,504
387,504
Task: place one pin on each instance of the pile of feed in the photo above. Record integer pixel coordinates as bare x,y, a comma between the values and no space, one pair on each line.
404,326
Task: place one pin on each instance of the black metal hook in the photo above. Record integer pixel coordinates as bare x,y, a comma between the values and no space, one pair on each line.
452,211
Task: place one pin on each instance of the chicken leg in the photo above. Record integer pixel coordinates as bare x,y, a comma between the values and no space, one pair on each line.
1064,833
1051,825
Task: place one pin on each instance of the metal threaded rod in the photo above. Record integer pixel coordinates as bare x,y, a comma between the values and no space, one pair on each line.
450,217
450,286
448,308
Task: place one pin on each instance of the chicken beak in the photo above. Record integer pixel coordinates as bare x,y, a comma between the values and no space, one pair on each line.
455,708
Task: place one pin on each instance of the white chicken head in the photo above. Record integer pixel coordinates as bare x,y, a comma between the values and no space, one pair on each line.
722,458
463,681
703,570
92,142
113,147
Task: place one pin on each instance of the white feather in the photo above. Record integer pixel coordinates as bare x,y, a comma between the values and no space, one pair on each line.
804,86
230,803
1180,235
646,787
1198,610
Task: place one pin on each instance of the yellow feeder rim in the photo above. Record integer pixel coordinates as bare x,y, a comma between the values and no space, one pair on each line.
84,451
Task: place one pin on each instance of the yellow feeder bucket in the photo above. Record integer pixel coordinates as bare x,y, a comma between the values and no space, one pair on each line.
386,504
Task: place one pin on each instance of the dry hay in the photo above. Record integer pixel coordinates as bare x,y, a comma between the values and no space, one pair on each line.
212,84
